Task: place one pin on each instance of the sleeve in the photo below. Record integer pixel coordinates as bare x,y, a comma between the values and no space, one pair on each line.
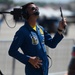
16,43
52,42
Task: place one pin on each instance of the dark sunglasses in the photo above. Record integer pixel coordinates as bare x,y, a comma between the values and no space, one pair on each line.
34,8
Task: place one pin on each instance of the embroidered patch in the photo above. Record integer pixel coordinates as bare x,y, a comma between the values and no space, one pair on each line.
35,40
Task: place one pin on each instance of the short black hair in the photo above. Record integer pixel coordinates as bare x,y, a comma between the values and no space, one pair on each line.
24,10
26,5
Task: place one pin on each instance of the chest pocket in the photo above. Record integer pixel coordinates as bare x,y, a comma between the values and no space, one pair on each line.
34,38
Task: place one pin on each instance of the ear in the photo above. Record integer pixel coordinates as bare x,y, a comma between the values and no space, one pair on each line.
25,14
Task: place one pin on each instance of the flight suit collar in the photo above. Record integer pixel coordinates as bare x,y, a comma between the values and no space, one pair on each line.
30,28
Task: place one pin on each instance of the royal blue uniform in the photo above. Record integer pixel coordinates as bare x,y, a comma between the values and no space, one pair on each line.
32,43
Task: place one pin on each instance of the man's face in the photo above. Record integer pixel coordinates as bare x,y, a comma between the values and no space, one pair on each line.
31,9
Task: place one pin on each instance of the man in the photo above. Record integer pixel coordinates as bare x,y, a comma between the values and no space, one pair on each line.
32,38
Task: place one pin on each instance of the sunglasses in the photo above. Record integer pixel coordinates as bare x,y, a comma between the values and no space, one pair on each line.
34,8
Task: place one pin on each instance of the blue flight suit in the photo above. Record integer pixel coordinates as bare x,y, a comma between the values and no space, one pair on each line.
32,43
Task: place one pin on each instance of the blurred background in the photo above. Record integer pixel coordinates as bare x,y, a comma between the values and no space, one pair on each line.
49,18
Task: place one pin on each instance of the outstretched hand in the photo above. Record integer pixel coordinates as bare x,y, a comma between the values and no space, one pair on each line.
62,24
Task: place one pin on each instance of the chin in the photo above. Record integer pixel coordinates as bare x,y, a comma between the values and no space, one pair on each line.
37,16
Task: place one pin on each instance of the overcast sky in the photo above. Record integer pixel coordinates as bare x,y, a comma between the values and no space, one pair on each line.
56,1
